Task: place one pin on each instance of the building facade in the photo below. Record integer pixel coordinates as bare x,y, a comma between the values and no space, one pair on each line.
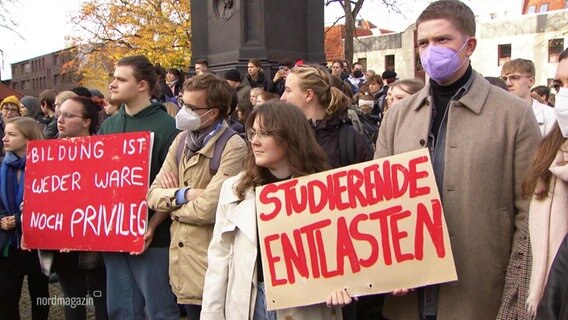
50,71
537,37
542,6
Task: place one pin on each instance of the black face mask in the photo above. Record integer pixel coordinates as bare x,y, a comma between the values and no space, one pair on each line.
357,73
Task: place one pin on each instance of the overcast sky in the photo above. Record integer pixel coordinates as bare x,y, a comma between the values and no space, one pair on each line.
43,24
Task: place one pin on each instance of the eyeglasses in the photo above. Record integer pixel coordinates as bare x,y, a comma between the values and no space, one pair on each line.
8,109
261,135
193,108
515,77
67,115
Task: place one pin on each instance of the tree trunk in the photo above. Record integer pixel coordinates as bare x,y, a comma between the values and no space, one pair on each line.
349,32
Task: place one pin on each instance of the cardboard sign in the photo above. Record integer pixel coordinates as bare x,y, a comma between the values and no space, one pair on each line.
87,193
371,228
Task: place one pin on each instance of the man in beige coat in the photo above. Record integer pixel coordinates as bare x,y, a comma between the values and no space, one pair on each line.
188,187
481,139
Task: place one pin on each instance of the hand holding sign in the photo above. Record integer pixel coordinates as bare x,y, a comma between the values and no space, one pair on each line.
339,298
366,227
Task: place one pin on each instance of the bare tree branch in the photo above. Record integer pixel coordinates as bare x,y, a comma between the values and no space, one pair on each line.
334,23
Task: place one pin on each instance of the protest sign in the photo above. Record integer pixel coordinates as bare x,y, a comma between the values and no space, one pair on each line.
87,193
371,228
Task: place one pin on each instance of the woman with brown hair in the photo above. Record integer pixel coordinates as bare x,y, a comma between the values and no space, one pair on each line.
545,228
547,181
255,77
281,142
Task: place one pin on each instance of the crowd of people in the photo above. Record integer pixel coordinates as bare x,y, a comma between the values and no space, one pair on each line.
498,149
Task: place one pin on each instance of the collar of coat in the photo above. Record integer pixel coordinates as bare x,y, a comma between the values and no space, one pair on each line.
473,94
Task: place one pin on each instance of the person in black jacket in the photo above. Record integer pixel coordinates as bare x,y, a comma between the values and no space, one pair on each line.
47,104
255,78
279,80
554,302
310,89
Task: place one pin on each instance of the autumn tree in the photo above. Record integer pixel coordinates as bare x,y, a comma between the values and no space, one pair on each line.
107,30
351,9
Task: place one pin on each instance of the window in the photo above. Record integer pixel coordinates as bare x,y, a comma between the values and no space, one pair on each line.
56,79
543,8
26,85
27,67
389,62
504,54
363,62
555,48
532,9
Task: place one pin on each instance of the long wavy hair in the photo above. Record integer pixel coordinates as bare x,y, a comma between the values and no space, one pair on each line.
288,126
540,164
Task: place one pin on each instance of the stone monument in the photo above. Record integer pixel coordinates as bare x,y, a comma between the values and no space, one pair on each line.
227,33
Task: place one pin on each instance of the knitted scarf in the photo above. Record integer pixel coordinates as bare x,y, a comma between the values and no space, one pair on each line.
12,191
196,140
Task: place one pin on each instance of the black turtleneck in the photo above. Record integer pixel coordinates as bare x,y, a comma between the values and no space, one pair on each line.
442,96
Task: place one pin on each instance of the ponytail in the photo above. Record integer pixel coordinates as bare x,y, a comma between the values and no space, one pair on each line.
337,101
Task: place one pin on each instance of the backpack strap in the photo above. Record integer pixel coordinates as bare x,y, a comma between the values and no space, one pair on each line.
346,144
219,148
181,146
217,152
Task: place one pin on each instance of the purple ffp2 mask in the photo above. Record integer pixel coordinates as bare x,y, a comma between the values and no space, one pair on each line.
440,62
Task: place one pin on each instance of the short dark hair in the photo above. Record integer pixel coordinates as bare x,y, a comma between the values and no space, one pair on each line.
286,63
143,69
218,91
47,97
90,111
160,71
542,91
455,11
176,72
82,92
202,61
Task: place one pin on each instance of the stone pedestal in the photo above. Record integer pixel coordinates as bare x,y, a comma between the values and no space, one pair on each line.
230,32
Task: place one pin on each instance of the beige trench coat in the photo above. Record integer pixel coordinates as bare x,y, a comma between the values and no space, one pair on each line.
230,281
192,228
491,136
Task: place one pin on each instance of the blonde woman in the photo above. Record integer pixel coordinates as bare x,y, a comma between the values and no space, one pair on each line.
311,90
15,261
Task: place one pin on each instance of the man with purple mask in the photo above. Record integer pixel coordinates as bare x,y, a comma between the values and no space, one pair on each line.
480,139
